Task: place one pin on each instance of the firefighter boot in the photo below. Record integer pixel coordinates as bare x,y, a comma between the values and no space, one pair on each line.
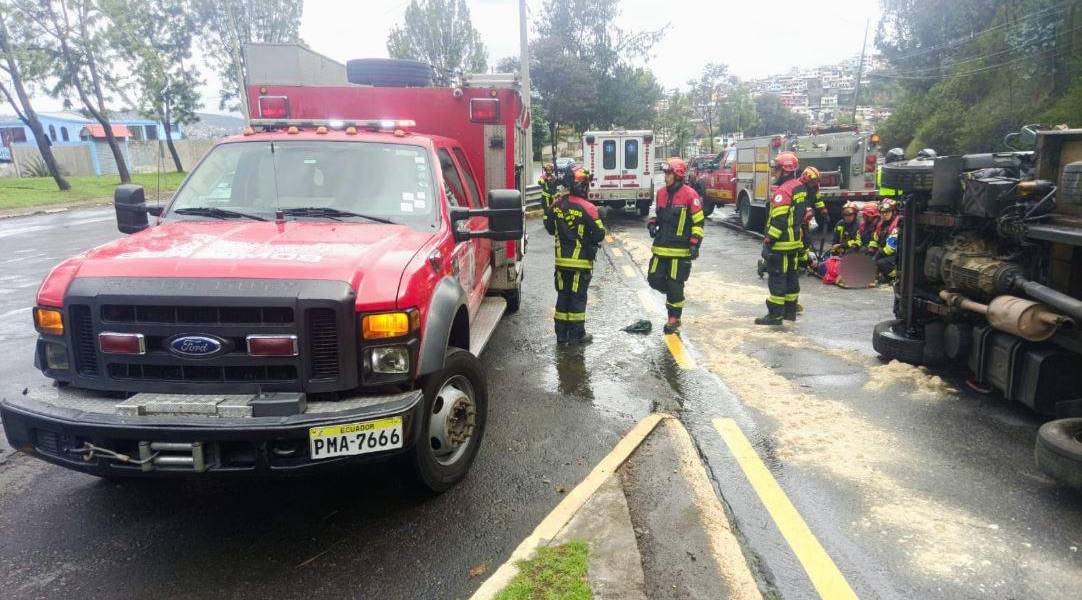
671,326
790,311
773,315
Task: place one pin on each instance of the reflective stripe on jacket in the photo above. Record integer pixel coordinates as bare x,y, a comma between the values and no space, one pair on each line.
679,221
786,216
578,230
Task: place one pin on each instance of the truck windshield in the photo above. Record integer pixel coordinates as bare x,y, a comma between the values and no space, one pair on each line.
330,179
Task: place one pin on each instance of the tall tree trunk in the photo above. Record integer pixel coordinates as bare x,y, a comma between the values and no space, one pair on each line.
99,114
169,140
28,114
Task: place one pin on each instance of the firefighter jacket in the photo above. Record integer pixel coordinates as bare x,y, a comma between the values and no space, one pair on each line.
886,235
548,189
786,216
578,231
868,232
884,191
813,199
679,221
847,234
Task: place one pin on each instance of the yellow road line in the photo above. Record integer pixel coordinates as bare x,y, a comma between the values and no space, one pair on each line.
824,574
682,356
609,238
628,271
555,521
616,252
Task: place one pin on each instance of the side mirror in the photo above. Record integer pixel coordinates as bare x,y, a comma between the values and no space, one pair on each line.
505,218
1028,135
131,209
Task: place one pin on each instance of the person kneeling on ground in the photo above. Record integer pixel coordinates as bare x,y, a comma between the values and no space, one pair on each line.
886,259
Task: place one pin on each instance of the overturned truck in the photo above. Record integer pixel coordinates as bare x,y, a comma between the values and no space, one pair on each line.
991,278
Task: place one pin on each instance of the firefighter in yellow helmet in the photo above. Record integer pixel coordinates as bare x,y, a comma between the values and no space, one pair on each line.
578,232
783,245
548,184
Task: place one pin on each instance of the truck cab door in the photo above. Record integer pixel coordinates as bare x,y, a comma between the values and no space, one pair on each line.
483,246
466,255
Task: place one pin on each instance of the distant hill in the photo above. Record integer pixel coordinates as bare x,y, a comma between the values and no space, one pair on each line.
212,126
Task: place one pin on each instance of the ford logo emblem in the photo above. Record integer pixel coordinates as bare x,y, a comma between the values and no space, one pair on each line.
195,346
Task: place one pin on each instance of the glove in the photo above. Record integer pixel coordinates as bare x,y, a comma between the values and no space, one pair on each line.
694,251
652,228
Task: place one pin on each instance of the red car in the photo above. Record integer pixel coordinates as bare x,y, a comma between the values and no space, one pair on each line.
316,294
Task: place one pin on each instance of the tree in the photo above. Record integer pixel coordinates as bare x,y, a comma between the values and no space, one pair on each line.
440,33
706,94
674,122
228,25
582,68
155,36
17,61
736,112
72,32
773,117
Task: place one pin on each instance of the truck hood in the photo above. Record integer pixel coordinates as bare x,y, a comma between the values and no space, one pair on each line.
370,257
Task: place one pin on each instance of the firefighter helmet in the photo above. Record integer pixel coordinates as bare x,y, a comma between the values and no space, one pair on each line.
888,204
810,176
787,162
676,166
849,208
870,211
547,167
895,155
926,153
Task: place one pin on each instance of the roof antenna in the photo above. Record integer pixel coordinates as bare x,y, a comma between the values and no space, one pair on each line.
279,214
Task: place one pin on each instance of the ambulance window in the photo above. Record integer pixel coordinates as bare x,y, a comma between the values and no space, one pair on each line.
470,181
631,154
456,194
608,154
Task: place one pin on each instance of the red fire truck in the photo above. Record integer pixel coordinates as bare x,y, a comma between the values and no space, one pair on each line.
316,294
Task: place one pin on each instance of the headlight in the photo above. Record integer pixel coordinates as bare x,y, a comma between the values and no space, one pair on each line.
49,320
56,357
392,359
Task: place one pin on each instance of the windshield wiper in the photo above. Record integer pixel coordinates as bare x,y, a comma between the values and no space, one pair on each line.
217,213
331,213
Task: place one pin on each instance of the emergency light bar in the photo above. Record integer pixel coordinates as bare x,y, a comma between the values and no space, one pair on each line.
338,124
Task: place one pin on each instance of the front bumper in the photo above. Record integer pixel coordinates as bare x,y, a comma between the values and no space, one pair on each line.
52,429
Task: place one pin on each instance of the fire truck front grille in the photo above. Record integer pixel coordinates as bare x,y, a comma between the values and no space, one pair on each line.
323,343
197,315
204,373
82,336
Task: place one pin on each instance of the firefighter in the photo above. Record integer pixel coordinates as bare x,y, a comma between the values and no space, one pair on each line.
886,258
846,231
548,184
868,243
893,155
578,232
809,178
782,245
677,230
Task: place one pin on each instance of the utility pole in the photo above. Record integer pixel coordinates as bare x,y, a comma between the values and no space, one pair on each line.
524,66
860,71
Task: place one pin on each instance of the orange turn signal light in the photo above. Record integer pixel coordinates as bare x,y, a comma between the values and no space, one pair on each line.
49,320
386,325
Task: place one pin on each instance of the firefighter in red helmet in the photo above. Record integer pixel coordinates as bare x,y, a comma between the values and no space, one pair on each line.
578,232
783,243
677,229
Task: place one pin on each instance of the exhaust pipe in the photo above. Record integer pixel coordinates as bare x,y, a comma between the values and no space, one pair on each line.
1058,300
1026,319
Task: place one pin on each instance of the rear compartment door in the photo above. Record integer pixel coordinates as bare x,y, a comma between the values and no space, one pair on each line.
609,162
631,157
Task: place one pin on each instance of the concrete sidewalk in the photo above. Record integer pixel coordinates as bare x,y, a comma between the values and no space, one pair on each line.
653,523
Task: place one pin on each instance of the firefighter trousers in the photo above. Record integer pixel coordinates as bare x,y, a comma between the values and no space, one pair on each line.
783,280
667,275
570,316
887,265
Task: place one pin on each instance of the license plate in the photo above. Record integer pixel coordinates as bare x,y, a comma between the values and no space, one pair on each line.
355,438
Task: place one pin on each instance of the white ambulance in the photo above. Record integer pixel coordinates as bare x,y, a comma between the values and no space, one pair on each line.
621,164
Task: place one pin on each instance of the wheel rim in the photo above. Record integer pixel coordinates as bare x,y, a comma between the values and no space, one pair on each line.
745,212
452,420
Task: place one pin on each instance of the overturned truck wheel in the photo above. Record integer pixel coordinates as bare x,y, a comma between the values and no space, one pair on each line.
1058,451
386,72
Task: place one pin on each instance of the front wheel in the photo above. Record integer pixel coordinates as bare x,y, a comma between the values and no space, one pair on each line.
1059,451
644,208
708,207
452,421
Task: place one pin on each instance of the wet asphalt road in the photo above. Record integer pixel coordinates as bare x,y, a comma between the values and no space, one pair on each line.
914,490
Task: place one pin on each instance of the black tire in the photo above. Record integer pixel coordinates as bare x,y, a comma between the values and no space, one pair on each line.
895,346
514,299
910,176
1058,451
386,72
751,217
708,207
430,472
644,208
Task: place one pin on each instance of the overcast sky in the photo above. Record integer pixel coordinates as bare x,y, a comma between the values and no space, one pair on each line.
753,38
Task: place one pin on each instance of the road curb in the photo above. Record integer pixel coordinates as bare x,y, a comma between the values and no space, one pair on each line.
551,526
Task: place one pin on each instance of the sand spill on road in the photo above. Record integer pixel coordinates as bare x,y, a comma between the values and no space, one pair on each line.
942,540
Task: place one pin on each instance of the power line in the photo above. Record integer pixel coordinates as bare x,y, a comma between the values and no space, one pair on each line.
1054,51
1018,22
981,57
